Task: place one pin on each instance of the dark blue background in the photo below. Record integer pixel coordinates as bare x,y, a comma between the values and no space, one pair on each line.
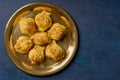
98,55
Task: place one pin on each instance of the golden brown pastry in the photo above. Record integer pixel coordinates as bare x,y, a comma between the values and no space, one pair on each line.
27,26
36,55
43,21
57,31
23,44
41,38
54,51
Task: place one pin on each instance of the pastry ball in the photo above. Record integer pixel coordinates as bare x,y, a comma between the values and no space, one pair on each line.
27,26
36,55
55,51
43,21
57,31
23,45
41,38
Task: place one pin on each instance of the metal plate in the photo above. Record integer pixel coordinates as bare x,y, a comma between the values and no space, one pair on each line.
69,42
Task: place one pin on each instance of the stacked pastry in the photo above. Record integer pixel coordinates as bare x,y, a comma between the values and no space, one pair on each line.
42,41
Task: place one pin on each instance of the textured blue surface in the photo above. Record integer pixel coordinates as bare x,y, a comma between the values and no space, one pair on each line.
98,55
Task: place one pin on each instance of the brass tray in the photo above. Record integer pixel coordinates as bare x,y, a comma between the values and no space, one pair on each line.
69,43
